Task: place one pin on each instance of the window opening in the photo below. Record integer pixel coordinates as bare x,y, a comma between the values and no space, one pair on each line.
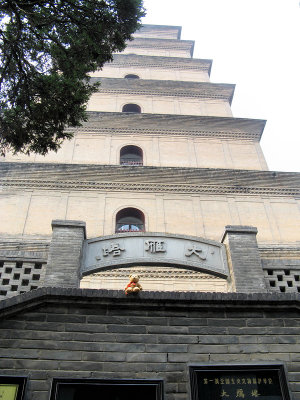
132,76
131,155
130,220
131,108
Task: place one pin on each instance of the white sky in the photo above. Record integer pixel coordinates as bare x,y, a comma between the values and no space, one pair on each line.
254,44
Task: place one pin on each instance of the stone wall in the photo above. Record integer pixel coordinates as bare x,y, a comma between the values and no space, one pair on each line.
193,207
72,333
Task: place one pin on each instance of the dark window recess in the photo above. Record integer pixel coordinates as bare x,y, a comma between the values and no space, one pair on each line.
131,108
36,277
19,264
130,220
132,76
38,265
111,389
131,155
3,292
290,283
8,270
287,272
270,272
1,264
33,287
14,288
218,382
280,277
297,278
272,283
298,289
27,271
5,281
16,276
25,282
282,289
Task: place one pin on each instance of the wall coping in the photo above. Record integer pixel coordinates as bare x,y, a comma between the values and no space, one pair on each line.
148,299
240,229
58,223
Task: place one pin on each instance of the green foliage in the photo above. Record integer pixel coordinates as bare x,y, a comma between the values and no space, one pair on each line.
47,50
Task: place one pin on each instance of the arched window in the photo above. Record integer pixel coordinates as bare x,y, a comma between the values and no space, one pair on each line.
130,220
132,108
132,76
131,155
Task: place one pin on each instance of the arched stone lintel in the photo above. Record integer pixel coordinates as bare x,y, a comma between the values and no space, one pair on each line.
126,249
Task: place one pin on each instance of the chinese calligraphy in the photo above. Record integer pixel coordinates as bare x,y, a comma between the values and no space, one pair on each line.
224,394
238,381
239,384
114,249
240,393
195,250
155,246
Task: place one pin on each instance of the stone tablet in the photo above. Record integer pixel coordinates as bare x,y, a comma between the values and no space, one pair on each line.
155,248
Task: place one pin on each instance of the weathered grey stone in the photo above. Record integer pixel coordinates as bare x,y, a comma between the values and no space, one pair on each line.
65,254
244,259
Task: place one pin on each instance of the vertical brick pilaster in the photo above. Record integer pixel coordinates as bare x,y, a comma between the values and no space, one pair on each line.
244,259
65,253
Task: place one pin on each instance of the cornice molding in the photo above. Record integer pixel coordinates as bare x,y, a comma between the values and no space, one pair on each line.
45,184
279,251
148,29
203,95
201,67
143,61
165,88
149,179
153,272
161,43
224,135
171,125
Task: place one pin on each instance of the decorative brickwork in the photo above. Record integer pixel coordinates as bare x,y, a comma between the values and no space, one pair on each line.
283,280
18,277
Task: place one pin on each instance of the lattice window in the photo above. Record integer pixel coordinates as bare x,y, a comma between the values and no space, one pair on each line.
20,276
283,280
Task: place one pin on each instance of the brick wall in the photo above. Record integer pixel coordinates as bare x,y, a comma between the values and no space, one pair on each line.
73,333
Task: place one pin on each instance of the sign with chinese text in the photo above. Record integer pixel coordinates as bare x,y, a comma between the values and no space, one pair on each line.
252,384
142,249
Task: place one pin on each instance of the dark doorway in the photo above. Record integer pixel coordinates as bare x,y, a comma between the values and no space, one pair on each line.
112,390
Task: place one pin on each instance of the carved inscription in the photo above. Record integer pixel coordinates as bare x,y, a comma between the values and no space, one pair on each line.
137,248
197,251
113,249
155,246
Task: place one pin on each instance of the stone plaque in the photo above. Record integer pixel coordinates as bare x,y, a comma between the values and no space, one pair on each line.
239,384
155,248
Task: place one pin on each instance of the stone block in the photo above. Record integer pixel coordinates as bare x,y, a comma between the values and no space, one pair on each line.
244,259
65,253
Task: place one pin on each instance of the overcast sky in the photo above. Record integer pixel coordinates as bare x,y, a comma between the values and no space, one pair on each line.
254,44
